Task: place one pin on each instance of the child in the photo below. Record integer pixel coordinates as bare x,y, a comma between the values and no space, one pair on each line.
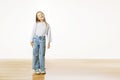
41,29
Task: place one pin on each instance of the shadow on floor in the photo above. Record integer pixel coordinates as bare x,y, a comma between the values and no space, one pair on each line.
38,77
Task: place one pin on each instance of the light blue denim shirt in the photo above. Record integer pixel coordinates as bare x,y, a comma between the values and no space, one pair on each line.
40,29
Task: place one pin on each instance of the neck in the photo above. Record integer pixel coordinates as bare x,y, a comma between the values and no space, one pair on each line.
41,20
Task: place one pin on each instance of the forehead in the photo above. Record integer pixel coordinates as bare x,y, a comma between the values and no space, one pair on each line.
40,13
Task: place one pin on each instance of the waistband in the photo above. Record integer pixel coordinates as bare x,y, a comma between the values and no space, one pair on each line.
40,36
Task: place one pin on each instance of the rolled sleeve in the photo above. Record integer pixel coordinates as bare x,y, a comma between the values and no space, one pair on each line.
33,32
49,38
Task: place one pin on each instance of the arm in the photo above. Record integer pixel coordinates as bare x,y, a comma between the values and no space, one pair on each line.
49,36
33,33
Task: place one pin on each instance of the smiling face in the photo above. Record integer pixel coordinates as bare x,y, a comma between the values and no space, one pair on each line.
40,16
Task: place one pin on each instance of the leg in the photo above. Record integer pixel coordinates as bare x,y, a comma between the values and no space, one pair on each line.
35,63
42,56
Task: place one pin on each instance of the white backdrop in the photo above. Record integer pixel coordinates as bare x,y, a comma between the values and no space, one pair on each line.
80,28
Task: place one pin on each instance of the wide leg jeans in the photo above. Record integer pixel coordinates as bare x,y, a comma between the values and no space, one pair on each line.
39,52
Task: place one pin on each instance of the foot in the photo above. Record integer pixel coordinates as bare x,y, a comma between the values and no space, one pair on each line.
37,71
43,72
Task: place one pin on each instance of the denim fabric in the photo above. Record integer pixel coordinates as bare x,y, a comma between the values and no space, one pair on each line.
39,52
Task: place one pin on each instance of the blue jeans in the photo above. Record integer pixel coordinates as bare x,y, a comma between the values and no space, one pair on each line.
39,52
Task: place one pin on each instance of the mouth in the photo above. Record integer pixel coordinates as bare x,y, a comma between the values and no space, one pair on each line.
41,17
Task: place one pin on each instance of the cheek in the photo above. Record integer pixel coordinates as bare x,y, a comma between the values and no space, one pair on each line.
38,17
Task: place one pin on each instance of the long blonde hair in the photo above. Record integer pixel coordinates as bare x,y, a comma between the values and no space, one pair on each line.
37,20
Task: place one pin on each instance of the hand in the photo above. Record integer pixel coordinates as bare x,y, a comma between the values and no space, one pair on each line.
48,45
32,44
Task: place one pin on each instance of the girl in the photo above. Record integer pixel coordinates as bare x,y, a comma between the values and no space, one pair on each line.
41,29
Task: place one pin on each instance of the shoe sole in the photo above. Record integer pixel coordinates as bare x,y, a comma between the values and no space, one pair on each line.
37,73
42,73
